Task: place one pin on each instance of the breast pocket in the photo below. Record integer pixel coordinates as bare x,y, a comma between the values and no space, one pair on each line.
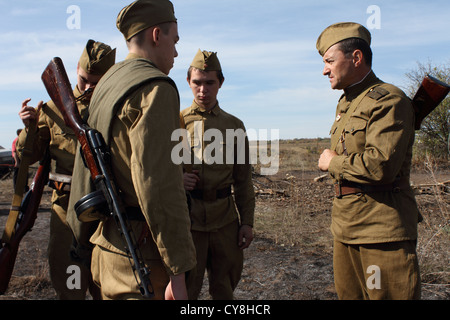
355,135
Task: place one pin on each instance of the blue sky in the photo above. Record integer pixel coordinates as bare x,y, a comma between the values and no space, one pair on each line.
273,73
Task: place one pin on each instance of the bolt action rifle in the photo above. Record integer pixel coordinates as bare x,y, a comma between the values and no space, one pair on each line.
429,95
96,157
26,217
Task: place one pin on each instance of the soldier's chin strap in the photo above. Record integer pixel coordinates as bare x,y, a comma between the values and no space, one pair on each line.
21,183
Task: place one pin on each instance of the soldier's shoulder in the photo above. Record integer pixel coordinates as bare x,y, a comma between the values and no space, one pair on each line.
185,111
232,118
385,90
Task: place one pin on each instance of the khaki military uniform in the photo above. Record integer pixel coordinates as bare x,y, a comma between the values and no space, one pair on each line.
61,141
215,214
374,155
137,124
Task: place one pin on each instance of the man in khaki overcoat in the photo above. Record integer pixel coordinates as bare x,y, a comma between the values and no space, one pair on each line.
59,139
374,215
136,109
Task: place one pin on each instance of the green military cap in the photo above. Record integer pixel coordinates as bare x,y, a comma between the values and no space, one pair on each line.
206,61
97,58
341,31
143,14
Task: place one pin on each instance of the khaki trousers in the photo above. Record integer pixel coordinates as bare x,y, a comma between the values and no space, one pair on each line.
219,254
69,278
376,271
112,272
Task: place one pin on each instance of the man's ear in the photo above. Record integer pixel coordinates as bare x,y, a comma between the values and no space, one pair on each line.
358,57
156,32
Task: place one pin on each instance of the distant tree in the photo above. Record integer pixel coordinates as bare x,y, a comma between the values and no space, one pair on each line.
433,136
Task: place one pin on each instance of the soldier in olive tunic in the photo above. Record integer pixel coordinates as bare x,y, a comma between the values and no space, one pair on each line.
53,134
374,215
221,224
136,108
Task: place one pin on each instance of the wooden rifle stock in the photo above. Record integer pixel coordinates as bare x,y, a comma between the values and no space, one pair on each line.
429,95
28,214
94,151
59,89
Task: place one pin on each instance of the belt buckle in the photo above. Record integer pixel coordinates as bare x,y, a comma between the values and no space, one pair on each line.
339,193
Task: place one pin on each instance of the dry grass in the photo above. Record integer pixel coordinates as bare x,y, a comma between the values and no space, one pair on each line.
301,213
434,233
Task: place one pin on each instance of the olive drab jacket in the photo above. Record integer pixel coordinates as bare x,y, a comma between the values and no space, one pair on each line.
58,137
374,149
228,166
136,108
53,133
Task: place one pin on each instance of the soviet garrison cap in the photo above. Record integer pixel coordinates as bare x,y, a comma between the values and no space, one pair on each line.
206,61
143,14
341,31
97,58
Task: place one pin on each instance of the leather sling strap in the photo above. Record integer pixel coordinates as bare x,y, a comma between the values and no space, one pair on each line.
22,180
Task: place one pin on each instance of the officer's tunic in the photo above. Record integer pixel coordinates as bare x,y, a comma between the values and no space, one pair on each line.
378,137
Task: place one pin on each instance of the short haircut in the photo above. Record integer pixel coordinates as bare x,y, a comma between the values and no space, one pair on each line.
348,46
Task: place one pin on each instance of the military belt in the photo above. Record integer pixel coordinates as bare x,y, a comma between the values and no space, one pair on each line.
211,195
345,187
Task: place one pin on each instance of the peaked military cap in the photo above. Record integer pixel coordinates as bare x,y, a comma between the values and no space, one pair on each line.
341,31
143,14
206,61
97,58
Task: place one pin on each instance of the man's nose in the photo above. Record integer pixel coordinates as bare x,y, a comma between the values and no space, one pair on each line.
90,86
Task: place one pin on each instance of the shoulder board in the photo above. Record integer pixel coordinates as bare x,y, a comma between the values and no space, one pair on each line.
377,93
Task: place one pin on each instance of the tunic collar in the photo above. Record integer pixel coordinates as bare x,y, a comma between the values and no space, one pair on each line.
196,108
354,90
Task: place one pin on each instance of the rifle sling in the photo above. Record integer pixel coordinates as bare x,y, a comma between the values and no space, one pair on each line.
21,183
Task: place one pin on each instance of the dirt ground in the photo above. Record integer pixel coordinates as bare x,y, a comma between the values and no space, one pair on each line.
276,267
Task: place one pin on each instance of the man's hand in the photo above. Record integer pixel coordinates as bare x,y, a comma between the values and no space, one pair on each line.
190,180
325,159
28,113
176,289
245,236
